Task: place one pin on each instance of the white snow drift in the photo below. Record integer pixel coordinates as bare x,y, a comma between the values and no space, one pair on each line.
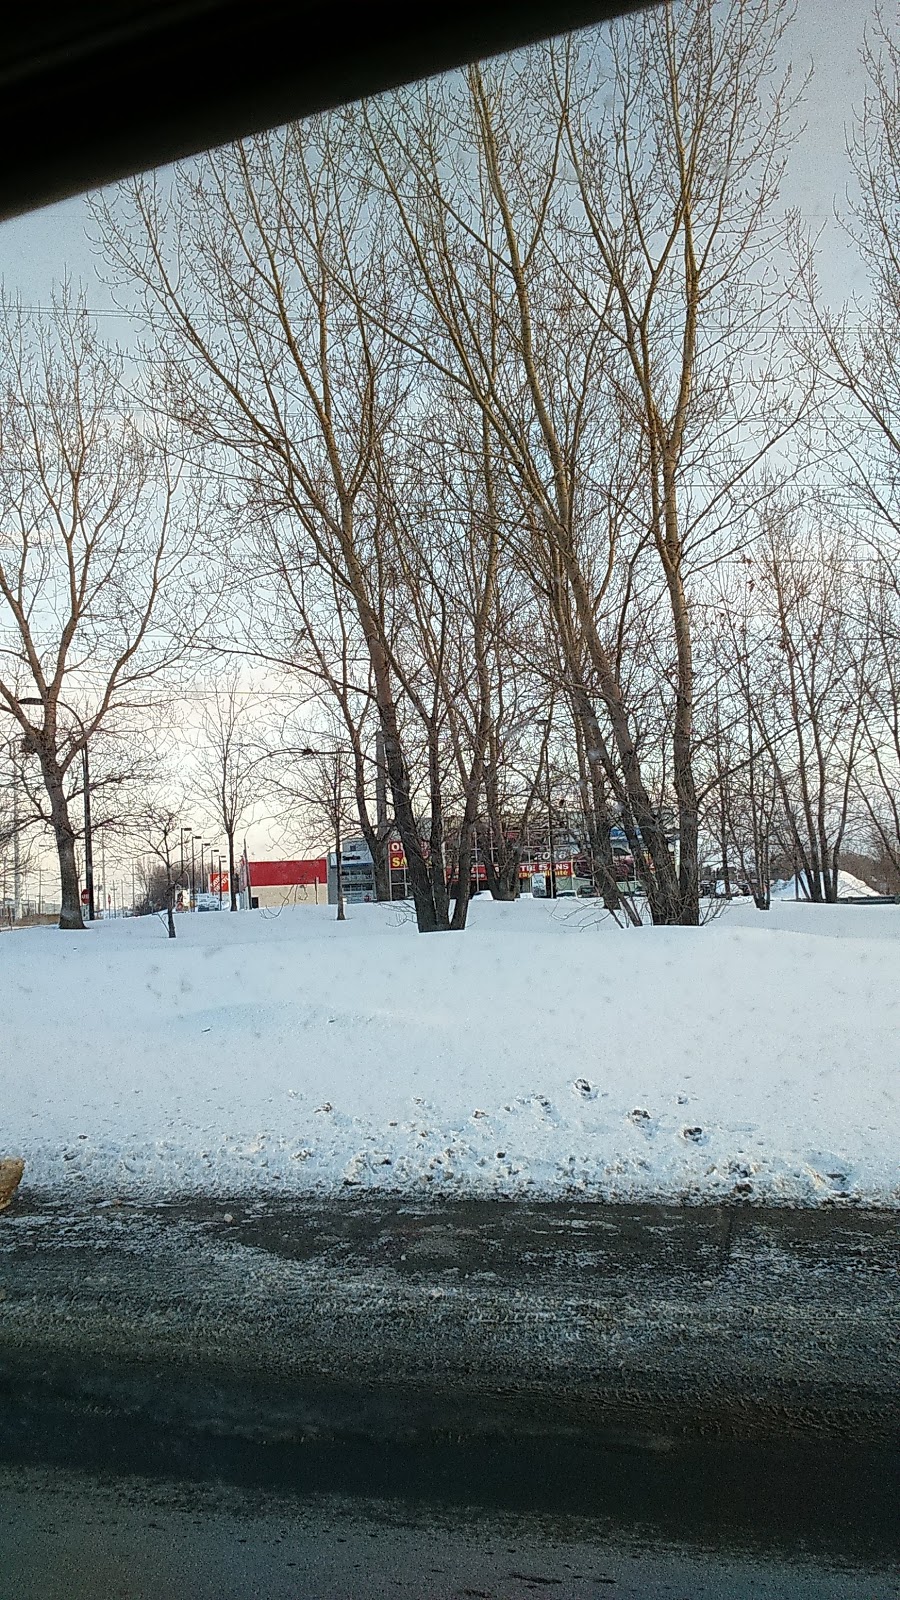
538,1054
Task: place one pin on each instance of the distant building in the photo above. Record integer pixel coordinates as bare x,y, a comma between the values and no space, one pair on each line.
273,884
357,873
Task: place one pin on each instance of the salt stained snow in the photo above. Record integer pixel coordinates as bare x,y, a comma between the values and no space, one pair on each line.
541,1053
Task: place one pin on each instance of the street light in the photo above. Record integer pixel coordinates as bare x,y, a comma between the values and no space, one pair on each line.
335,756
551,842
181,837
88,837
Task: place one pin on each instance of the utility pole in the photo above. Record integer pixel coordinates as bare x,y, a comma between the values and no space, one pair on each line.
193,878
550,838
338,798
88,839
182,885
17,865
103,871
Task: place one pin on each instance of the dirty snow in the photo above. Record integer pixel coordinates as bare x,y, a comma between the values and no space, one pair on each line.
540,1053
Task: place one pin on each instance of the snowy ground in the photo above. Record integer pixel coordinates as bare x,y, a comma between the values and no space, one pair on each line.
539,1053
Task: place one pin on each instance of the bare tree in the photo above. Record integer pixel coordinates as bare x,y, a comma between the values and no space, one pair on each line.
498,322
676,183
740,787
229,761
853,352
302,621
497,328
853,355
799,662
95,536
159,825
587,277
269,358
877,773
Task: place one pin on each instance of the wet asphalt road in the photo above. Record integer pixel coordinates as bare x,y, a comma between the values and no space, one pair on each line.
69,1536
388,1319
378,1397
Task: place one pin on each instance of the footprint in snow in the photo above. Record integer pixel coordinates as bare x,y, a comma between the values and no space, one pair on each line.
585,1089
830,1169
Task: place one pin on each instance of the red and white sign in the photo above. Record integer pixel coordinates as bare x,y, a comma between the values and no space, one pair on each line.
218,883
286,874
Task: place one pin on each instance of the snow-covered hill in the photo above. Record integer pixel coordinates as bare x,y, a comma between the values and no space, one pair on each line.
539,1053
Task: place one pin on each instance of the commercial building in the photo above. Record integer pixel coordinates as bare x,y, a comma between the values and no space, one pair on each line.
273,884
357,873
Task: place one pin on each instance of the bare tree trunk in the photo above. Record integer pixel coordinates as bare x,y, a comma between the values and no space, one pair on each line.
502,879
70,901
590,742
376,837
416,865
232,886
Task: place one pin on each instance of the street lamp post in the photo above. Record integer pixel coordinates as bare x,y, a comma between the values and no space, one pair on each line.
193,878
337,793
17,865
338,864
183,833
88,839
550,839
221,858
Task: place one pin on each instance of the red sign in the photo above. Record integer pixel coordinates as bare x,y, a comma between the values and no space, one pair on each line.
284,874
85,897
218,882
396,856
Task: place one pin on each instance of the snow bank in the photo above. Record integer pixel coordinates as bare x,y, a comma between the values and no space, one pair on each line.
849,887
540,1053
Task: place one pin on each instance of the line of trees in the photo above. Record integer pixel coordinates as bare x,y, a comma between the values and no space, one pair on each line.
491,418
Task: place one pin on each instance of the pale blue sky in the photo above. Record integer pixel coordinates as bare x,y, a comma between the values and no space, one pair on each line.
39,250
